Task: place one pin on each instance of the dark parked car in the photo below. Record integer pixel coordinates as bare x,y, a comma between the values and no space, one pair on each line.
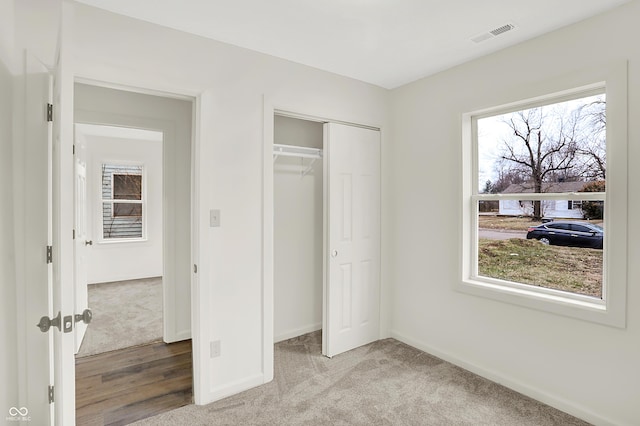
572,234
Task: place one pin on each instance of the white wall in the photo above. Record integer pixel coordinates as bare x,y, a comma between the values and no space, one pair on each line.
297,232
8,313
7,34
587,369
233,83
116,261
36,28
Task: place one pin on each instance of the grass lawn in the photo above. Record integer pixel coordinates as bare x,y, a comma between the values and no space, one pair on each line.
577,270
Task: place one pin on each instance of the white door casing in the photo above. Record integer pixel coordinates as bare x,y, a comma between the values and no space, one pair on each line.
352,227
81,244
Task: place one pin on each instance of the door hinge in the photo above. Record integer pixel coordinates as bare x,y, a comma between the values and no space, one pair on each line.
51,393
49,112
74,149
74,234
49,254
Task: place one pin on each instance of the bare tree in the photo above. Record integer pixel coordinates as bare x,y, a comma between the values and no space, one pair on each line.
541,146
593,149
555,143
596,114
506,177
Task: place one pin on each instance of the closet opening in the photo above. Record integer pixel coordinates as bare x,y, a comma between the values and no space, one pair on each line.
298,231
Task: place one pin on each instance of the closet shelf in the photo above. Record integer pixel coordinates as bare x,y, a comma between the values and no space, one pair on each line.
296,151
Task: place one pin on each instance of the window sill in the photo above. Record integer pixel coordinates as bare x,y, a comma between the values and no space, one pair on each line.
546,300
123,241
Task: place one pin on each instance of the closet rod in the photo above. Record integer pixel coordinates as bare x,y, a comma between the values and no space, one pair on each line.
296,151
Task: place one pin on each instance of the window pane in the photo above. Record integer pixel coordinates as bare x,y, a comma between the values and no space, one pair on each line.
118,227
127,187
117,185
127,210
553,148
554,254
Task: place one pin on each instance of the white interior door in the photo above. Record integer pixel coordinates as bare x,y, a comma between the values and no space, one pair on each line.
35,270
63,224
82,242
352,249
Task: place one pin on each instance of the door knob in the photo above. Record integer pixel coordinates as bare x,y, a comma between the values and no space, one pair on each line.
46,323
86,316
334,253
88,243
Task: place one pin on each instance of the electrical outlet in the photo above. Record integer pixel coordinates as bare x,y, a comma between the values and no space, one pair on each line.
215,349
214,218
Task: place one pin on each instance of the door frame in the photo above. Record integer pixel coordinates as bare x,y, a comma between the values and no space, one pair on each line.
171,143
200,102
270,110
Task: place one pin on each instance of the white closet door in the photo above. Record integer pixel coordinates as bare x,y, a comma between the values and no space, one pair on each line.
352,285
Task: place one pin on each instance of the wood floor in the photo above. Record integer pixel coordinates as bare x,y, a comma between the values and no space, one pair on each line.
121,387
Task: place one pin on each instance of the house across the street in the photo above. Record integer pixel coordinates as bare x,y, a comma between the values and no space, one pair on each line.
568,209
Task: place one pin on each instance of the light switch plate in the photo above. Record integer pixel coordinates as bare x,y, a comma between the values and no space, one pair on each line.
214,218
215,349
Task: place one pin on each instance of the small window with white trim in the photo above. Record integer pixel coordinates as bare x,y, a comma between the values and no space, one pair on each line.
122,202
537,220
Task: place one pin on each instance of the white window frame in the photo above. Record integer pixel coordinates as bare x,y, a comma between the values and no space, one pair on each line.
611,309
101,201
124,201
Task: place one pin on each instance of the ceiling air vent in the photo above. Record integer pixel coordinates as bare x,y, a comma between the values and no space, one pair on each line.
493,33
502,29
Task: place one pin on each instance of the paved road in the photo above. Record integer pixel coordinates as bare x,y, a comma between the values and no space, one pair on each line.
493,234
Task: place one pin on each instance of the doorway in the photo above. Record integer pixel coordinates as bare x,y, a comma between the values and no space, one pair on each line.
342,249
298,227
137,244
119,236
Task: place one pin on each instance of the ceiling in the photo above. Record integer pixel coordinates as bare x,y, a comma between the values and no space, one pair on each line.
383,42
118,132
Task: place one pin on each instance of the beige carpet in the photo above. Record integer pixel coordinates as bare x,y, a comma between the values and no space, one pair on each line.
125,314
384,383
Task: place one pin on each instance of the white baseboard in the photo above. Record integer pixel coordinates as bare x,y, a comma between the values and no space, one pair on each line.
233,388
218,393
178,337
297,332
537,394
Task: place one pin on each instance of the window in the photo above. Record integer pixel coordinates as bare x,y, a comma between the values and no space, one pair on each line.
574,205
122,202
552,150
127,187
545,162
